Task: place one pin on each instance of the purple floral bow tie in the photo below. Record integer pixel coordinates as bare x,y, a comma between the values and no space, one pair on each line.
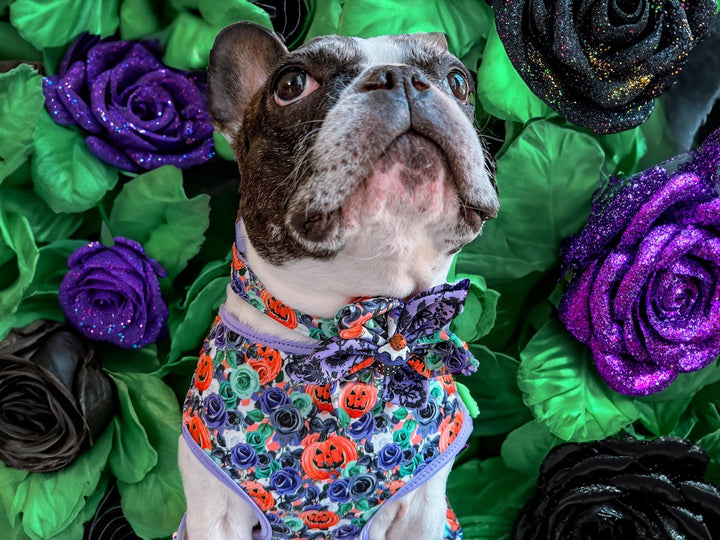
404,343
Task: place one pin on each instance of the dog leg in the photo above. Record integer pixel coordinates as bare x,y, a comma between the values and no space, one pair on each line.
214,511
419,515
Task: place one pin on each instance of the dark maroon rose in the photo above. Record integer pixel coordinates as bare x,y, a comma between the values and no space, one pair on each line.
54,397
622,488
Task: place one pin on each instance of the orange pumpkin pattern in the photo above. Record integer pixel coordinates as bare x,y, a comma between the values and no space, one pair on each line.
327,455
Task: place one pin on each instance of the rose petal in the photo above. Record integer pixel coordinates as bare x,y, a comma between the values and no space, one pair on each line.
69,88
78,50
119,133
681,187
104,56
42,429
55,107
627,376
574,306
189,158
110,155
703,214
607,334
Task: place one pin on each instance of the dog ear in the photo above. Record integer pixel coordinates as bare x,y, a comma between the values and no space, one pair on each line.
435,38
241,60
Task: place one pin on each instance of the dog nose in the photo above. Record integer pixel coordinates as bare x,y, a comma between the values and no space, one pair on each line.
397,78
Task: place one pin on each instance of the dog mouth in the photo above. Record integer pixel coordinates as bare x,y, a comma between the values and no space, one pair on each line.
411,169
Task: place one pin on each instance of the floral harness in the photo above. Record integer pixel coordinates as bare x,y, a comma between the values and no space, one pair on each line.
317,438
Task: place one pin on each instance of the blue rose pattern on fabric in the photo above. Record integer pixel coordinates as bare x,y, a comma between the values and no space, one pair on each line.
319,460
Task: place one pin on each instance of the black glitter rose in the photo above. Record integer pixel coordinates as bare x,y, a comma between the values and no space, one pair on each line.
54,397
600,63
622,489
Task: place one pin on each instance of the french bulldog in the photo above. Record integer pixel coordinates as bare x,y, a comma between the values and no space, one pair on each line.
361,175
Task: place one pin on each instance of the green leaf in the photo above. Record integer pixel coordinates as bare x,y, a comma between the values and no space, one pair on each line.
18,258
46,225
486,496
54,500
546,176
501,91
76,529
189,42
12,46
661,413
563,389
222,147
464,22
525,448
66,175
199,311
11,532
662,418
158,412
478,316
221,14
211,271
12,498
324,18
711,444
623,150
706,404
154,210
142,360
138,19
40,300
22,100
495,389
132,455
52,24
191,37
661,144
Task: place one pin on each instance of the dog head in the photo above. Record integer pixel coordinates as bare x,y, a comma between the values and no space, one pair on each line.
358,157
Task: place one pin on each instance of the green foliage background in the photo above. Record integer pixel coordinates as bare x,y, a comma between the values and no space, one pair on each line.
536,387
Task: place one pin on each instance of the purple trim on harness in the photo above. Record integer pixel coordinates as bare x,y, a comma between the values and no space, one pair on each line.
284,345
428,472
180,533
265,532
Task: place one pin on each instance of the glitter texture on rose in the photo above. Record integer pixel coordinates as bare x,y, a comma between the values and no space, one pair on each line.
645,288
112,293
138,114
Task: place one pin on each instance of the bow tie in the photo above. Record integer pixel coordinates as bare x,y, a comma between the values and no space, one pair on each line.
397,345
402,345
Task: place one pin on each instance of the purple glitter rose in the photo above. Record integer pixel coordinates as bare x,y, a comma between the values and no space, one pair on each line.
113,294
645,290
138,113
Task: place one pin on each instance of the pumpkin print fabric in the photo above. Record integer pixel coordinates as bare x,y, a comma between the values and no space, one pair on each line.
318,438
317,460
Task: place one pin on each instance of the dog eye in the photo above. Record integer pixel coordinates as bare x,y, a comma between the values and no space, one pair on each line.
293,85
458,84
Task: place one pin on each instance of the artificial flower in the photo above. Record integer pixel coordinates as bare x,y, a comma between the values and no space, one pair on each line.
138,114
